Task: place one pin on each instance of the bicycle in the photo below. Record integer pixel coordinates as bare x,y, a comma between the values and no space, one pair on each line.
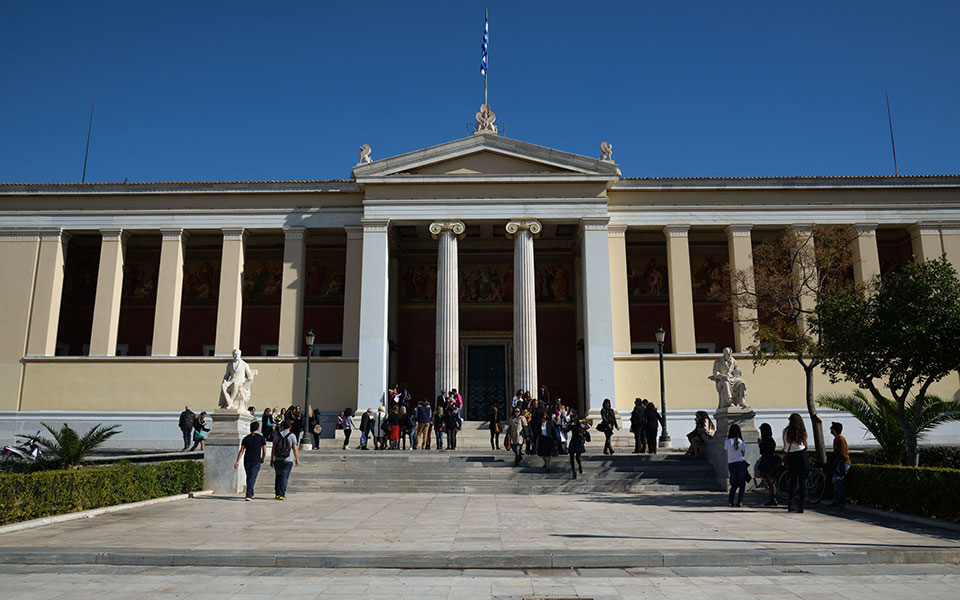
816,485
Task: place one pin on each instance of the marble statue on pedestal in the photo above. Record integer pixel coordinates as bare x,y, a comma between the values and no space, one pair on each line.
728,377
235,388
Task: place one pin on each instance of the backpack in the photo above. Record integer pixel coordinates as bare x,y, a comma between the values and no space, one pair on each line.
282,445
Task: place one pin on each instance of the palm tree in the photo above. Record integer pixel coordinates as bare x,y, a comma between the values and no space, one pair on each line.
884,426
67,448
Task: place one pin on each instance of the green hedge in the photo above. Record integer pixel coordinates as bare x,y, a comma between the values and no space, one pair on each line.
924,491
947,457
46,493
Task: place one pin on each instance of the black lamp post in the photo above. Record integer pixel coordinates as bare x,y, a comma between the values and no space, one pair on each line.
664,437
306,396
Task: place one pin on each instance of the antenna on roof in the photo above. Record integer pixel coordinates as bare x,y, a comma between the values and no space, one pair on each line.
896,171
86,152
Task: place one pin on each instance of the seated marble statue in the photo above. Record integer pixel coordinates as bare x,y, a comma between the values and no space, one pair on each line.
731,388
235,388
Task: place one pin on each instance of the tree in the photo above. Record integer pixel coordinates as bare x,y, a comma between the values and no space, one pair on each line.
67,448
778,296
905,332
884,427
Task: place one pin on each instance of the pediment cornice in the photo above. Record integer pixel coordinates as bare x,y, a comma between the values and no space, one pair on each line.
557,165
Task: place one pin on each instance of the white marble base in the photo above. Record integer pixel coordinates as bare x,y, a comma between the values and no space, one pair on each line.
222,445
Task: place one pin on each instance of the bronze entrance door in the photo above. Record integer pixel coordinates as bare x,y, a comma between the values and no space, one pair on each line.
486,380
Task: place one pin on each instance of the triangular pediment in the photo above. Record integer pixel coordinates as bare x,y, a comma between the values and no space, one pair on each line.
485,156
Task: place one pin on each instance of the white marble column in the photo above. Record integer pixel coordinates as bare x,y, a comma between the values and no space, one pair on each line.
866,257
447,374
597,314
292,291
106,308
47,293
374,287
683,335
166,319
230,300
524,305
740,249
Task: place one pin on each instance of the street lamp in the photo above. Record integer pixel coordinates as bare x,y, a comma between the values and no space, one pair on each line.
306,396
664,437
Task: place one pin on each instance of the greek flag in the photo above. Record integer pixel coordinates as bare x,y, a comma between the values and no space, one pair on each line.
483,48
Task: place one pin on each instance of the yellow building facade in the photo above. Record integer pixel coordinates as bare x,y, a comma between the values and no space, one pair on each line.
486,264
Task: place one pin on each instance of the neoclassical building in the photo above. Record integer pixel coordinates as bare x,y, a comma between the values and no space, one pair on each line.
486,264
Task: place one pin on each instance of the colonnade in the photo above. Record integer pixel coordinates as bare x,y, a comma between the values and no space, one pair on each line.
603,302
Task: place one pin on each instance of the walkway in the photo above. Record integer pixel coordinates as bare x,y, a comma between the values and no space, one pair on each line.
478,531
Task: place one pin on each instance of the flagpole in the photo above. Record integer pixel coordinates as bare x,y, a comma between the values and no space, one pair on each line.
485,16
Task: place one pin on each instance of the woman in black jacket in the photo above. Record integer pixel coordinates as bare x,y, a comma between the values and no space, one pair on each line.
608,422
450,426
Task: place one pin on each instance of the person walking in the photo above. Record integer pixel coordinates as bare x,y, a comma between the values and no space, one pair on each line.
439,423
576,446
187,418
200,431
451,423
366,424
380,429
736,464
770,464
608,422
840,464
410,427
393,427
315,428
798,463
516,431
346,423
266,422
494,428
283,457
638,424
546,441
253,450
424,418
653,425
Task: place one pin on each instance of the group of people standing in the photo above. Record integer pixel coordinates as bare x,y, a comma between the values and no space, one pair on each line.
645,422
419,424
543,425
797,462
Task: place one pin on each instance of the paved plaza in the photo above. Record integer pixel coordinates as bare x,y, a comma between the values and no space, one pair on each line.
457,531
861,582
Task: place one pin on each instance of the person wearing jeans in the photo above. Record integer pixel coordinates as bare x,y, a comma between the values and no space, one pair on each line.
841,463
798,463
284,464
515,430
736,464
253,450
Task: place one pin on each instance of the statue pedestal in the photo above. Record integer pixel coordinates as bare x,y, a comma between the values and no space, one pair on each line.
725,417
222,445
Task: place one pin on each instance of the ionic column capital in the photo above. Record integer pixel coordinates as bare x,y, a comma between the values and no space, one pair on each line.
738,230
515,227
438,228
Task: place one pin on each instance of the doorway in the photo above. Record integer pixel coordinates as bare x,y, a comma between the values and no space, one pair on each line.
486,375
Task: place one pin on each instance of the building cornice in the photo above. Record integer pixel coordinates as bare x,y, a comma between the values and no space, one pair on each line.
177,187
843,182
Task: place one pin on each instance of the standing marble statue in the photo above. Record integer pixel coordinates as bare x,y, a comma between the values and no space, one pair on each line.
729,380
235,388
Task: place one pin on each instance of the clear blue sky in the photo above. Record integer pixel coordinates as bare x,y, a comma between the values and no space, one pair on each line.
217,89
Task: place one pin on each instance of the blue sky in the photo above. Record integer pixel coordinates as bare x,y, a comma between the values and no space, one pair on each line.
210,90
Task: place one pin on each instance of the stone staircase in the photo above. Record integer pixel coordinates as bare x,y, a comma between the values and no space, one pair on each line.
467,471
475,435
